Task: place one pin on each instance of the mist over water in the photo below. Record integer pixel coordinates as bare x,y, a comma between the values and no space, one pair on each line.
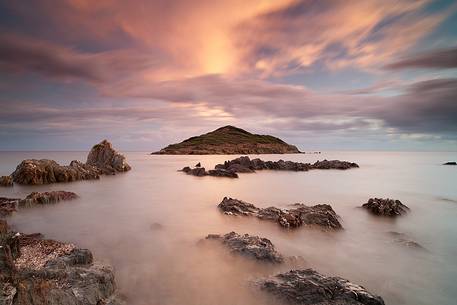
115,218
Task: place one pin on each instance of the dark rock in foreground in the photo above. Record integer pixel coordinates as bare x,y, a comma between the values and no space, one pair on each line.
308,287
10,205
385,207
102,159
321,215
6,181
248,245
450,163
35,271
108,160
229,140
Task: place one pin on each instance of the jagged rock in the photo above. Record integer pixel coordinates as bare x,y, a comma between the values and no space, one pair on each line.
107,159
450,163
47,272
36,172
245,165
248,245
198,164
198,171
385,207
10,205
47,197
308,287
321,215
222,173
6,181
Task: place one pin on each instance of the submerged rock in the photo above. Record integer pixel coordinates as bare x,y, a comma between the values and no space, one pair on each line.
251,246
385,207
404,240
48,272
107,159
321,215
6,181
450,163
308,287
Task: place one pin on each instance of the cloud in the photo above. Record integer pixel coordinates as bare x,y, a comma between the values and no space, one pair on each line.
436,59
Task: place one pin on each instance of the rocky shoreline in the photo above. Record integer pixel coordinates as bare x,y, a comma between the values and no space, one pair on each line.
244,164
37,271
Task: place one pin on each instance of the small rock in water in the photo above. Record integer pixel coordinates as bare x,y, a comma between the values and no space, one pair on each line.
321,215
198,164
385,207
308,287
156,226
450,163
6,181
251,246
403,239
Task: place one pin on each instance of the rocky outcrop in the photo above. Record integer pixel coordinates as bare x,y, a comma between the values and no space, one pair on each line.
254,247
308,287
108,160
246,165
385,207
102,159
201,172
36,271
450,163
321,215
230,140
10,205
44,171
6,181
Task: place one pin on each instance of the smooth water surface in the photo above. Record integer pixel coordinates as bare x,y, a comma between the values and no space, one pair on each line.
117,216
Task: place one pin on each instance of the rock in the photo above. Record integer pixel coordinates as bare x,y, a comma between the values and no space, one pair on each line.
404,240
307,287
156,226
245,165
47,198
198,164
222,173
250,246
450,163
198,171
321,215
186,169
37,172
107,159
6,181
385,207
8,206
47,272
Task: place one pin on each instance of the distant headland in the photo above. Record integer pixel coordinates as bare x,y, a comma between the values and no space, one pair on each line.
229,140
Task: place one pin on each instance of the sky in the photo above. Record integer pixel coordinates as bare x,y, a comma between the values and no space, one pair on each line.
320,74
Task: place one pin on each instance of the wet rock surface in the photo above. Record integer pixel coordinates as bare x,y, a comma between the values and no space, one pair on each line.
39,271
254,247
6,181
385,207
321,215
308,287
102,159
10,205
107,159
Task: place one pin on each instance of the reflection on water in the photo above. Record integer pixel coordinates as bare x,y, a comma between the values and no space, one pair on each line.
115,218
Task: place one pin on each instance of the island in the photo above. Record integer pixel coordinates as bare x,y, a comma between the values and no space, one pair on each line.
229,140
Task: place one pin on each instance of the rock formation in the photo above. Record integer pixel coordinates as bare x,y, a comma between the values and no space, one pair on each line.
230,140
35,271
6,181
108,160
321,215
201,172
102,159
385,207
308,287
250,246
10,205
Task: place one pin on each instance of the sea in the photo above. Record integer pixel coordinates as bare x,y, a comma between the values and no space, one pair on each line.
148,224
